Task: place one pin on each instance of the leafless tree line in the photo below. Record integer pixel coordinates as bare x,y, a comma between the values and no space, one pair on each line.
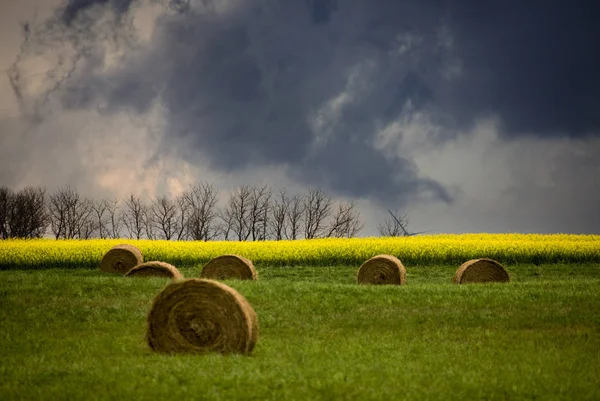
250,213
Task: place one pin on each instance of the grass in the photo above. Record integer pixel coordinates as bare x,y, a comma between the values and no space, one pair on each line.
79,334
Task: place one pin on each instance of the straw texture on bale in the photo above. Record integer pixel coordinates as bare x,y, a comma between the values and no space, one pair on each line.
382,269
155,269
198,316
121,258
480,271
229,267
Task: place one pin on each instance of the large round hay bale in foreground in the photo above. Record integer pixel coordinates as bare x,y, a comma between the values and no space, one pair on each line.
229,267
198,316
121,258
480,271
382,269
155,269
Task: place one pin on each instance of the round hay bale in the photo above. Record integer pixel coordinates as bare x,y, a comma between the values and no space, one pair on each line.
382,269
198,316
155,269
481,271
229,267
121,258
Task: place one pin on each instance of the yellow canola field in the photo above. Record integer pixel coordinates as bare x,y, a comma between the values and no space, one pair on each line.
417,250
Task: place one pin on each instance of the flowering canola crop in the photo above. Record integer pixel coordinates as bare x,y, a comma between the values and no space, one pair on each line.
417,250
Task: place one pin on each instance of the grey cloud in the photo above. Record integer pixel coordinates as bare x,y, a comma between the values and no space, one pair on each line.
534,63
411,87
74,8
321,10
354,169
240,88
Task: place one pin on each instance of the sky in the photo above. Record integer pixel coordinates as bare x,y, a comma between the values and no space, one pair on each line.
467,116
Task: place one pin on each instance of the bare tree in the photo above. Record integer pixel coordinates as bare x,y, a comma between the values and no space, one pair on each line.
81,219
260,199
394,225
115,220
182,217
37,205
23,214
101,215
6,197
346,221
279,211
226,226
71,216
264,217
80,222
238,211
201,223
134,217
57,208
149,226
88,225
317,207
162,215
294,216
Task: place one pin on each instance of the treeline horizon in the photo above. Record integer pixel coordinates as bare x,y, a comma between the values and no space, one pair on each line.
251,213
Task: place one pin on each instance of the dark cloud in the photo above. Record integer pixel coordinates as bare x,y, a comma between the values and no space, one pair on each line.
73,8
182,5
321,10
246,89
307,85
411,87
534,63
353,168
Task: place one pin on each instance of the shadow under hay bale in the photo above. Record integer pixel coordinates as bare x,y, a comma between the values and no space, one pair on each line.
481,271
229,267
382,269
121,258
155,269
198,316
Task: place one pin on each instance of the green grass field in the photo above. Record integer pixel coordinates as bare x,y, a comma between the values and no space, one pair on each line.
80,334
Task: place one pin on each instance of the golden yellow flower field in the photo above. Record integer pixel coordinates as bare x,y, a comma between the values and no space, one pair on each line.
417,250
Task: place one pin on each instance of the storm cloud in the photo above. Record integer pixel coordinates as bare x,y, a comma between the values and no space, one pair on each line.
304,85
332,92
534,63
75,8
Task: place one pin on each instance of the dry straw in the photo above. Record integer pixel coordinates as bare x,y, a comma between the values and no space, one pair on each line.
156,269
121,258
229,267
199,316
480,271
382,269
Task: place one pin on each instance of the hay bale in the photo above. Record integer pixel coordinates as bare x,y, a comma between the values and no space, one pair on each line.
155,269
382,269
481,271
229,267
198,316
121,258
